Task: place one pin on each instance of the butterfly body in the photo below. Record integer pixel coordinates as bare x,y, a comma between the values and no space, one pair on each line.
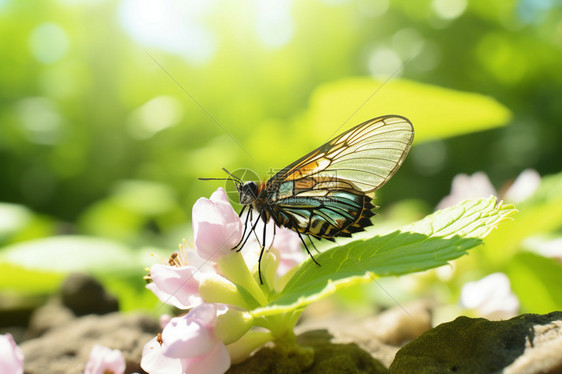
328,192
323,213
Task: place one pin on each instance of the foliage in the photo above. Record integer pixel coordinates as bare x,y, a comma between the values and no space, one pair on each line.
107,118
431,242
86,102
234,294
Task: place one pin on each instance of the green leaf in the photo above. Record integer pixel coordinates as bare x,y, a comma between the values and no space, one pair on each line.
536,281
13,218
431,242
436,112
28,281
18,223
72,253
39,266
540,214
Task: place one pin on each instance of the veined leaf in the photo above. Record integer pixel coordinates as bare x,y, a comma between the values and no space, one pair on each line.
428,243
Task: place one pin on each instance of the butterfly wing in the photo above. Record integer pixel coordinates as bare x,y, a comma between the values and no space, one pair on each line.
367,155
328,192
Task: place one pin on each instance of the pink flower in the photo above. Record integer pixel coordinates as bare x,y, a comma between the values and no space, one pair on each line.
155,362
177,286
286,244
290,250
188,344
478,185
524,186
11,356
177,283
491,297
216,226
105,361
164,320
545,247
468,186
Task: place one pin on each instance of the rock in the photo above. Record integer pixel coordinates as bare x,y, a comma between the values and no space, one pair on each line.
346,344
529,343
83,295
393,327
328,358
47,317
380,335
66,349
544,353
79,295
338,358
16,309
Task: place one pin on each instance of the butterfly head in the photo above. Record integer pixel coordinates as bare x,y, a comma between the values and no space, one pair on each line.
248,192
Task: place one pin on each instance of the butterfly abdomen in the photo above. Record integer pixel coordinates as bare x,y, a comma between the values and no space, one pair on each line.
363,221
323,215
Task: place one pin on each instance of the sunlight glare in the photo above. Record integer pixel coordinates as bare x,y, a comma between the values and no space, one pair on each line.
48,42
274,24
449,9
174,26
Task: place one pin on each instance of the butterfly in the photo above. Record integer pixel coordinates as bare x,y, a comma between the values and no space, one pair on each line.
328,193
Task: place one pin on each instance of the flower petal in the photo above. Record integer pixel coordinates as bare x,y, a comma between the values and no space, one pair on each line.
192,334
290,250
216,226
216,361
286,241
524,186
468,186
177,286
105,360
491,296
11,356
155,362
220,195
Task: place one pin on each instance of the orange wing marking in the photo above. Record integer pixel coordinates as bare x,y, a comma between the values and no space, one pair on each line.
308,169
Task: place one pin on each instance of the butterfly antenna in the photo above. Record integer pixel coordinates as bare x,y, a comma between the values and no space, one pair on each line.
234,177
217,179
231,177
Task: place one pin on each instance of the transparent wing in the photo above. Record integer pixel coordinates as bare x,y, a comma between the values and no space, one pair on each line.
366,156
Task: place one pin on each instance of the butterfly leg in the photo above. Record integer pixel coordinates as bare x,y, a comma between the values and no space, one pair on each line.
272,239
307,250
242,210
248,236
248,216
311,242
261,252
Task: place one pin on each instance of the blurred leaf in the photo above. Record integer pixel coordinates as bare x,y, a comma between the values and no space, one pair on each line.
18,223
72,253
133,295
536,281
428,243
143,197
111,220
13,218
133,204
120,271
25,280
540,214
436,112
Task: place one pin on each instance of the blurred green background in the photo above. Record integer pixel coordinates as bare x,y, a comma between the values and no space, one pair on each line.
110,110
